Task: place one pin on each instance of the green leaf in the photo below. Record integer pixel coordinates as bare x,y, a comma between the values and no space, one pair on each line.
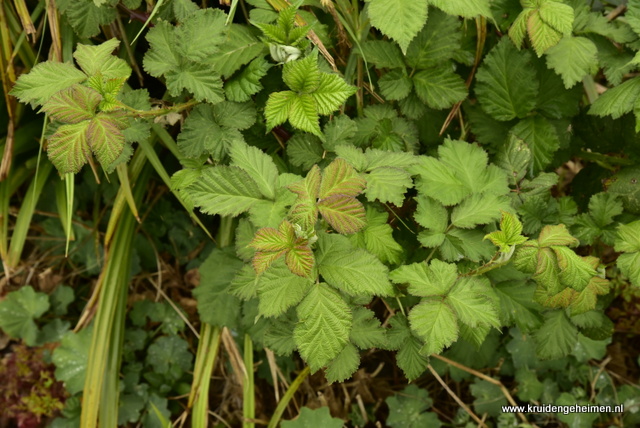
278,107
556,235
465,8
200,34
258,164
507,86
354,271
344,213
479,209
71,359
169,356
86,17
314,418
162,56
181,8
489,398
409,358
247,83
304,150
574,270
557,15
338,131
431,214
305,211
628,241
472,305
198,79
60,299
436,323
542,35
19,310
541,137
408,409
510,233
377,237
517,305
436,43
344,365
279,335
573,58
382,54
395,85
224,190
95,60
617,101
44,80
215,305
105,138
398,19
303,114
302,76
240,46
332,92
439,87
433,280
325,323
557,336
367,332
68,148
73,104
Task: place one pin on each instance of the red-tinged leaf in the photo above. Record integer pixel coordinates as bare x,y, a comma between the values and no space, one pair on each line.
269,239
105,137
556,235
304,211
68,149
309,188
73,104
262,260
300,259
340,178
558,300
288,232
344,213
586,300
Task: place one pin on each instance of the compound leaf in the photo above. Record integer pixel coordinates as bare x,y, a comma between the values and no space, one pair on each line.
44,80
436,323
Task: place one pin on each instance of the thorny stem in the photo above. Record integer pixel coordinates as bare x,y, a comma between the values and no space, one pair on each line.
158,112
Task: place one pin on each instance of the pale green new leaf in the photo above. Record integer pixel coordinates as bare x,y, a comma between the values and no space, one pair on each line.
439,87
399,19
472,304
302,76
556,337
332,92
342,367
44,80
507,85
19,310
510,233
628,241
68,149
574,270
224,190
258,164
465,8
542,35
629,265
199,35
573,58
278,107
479,209
436,279
436,323
617,101
279,289
303,114
98,59
324,326
556,235
557,15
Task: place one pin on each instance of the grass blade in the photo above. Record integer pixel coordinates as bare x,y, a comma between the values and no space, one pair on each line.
206,355
248,390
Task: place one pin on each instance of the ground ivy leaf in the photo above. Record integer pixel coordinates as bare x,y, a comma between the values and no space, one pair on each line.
436,323
401,20
573,58
44,80
314,418
18,311
408,409
169,356
344,365
325,323
507,85
71,359
68,149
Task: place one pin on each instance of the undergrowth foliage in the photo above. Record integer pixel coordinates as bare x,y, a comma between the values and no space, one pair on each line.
417,161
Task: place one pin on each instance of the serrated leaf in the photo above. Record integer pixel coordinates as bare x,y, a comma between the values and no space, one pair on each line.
408,409
354,271
313,418
557,15
304,150
68,149
73,104
507,86
431,214
239,47
542,35
574,270
377,237
547,273
344,213
19,310
200,34
105,138
439,87
556,235
436,43
382,54
398,19
332,92
343,366
241,87
86,16
465,8
44,80
95,60
258,164
303,75
300,258
305,211
71,359
279,289
367,332
162,56
303,114
573,58
325,323
411,359
517,305
338,131
436,323
510,233
617,101
556,336
436,279
479,209
471,304
388,184
198,79
339,178
278,107
224,190
541,137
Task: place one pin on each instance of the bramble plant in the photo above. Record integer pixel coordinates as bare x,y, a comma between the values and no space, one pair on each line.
438,179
